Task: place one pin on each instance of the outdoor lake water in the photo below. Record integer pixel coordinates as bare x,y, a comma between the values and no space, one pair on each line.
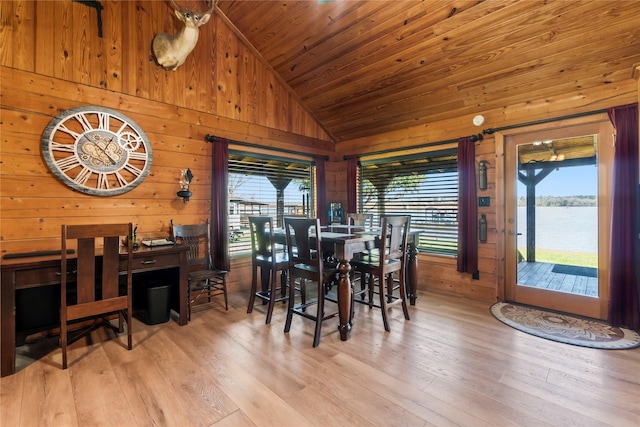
573,229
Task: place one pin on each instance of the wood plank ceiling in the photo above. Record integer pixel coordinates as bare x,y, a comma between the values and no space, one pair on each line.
367,67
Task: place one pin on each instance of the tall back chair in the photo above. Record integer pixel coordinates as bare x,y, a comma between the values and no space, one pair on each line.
390,260
305,264
365,221
203,279
266,258
360,219
92,288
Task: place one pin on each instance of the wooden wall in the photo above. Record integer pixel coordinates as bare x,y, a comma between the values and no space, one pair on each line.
439,272
51,59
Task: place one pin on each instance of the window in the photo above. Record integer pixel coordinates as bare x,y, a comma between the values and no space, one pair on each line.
265,185
424,186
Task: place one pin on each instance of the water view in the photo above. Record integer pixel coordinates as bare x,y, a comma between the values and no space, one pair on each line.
573,229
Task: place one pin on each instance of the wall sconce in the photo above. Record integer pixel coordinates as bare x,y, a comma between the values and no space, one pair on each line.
185,179
482,175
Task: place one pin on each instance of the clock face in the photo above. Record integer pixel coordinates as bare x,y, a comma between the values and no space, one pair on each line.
96,151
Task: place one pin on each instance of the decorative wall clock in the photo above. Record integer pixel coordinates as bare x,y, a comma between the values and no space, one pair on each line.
96,151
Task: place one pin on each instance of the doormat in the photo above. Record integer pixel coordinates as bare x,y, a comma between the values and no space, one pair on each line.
565,328
575,270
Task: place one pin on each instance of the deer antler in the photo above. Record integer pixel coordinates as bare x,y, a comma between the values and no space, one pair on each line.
176,6
211,3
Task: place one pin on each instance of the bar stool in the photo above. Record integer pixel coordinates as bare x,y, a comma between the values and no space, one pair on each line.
365,221
270,261
380,268
303,237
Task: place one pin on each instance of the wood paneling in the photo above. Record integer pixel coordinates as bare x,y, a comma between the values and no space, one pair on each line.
53,60
365,68
379,75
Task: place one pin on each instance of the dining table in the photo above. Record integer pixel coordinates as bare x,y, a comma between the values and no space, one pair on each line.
347,240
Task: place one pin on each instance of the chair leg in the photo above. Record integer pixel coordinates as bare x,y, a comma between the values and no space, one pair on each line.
63,343
319,315
283,284
254,288
129,331
292,290
403,297
224,291
272,294
121,321
372,284
383,302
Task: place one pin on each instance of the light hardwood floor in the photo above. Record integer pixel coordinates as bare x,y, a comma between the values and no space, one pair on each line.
451,364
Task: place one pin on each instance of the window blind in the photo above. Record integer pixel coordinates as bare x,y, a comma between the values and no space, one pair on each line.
424,186
265,185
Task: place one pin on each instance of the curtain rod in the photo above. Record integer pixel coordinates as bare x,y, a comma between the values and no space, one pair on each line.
473,138
212,138
489,131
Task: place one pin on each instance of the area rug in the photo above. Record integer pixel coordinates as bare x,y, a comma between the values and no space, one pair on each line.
565,328
575,270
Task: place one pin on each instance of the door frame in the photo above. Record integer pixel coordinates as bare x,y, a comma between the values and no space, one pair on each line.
505,218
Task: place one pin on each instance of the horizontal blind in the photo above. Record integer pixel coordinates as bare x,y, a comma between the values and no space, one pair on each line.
265,185
424,186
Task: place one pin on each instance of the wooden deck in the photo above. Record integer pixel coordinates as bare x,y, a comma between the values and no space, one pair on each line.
540,275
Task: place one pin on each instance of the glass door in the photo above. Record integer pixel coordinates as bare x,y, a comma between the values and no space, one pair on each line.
557,186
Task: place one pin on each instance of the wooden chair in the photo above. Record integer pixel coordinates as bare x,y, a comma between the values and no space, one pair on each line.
380,268
203,279
266,258
303,237
365,221
360,219
91,290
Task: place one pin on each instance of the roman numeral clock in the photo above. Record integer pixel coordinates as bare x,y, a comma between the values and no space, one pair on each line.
96,151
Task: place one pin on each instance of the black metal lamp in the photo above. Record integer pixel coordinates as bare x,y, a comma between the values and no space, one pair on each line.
185,180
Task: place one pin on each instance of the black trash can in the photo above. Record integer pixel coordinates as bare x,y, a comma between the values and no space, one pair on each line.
155,307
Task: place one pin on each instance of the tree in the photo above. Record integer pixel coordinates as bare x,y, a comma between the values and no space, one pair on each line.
384,186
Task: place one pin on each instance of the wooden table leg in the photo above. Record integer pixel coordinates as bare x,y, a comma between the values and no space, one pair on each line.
345,295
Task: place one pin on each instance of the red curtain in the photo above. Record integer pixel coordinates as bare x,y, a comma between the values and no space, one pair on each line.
321,193
467,208
624,283
352,184
220,204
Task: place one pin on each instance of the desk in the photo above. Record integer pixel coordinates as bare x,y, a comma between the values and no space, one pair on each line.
346,244
32,272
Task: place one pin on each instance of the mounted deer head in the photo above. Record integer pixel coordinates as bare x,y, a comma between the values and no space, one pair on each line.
171,51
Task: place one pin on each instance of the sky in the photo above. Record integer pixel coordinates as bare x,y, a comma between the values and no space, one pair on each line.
574,181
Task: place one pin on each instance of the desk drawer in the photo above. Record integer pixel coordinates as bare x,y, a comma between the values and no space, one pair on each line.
153,262
31,277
